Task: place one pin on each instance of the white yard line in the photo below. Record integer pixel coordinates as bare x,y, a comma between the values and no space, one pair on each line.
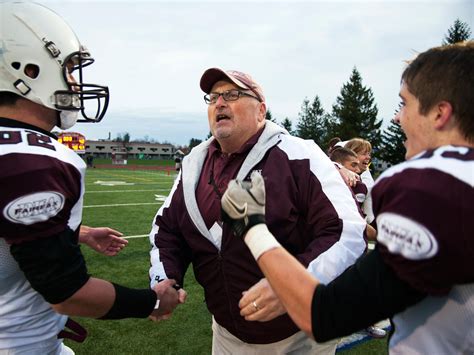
124,204
101,191
136,236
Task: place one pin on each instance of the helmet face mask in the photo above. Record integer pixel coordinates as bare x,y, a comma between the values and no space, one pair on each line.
78,92
42,60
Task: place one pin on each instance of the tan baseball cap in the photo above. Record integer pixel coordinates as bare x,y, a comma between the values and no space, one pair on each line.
242,80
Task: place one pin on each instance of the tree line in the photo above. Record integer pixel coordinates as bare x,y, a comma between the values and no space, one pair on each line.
355,112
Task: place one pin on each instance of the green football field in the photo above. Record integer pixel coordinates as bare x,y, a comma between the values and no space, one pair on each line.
127,200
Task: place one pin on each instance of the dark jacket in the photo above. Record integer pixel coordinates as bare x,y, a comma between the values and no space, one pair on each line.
309,209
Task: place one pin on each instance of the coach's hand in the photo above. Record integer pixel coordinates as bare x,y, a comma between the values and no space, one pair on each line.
260,303
243,204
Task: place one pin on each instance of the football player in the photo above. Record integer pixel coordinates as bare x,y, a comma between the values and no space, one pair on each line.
42,67
421,272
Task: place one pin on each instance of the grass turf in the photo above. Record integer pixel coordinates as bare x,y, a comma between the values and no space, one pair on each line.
189,329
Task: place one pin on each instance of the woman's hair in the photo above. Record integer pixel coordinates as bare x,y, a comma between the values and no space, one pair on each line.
332,144
359,145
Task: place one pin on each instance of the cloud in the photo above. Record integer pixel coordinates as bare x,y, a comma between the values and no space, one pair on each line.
152,53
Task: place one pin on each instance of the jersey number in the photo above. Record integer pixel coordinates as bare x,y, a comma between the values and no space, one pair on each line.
33,138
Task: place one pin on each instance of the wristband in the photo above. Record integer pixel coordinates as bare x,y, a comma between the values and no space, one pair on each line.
259,240
131,303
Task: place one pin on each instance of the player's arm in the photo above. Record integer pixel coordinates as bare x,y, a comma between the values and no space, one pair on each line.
56,269
105,300
371,233
325,312
292,283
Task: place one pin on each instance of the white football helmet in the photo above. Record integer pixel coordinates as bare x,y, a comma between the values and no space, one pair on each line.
38,54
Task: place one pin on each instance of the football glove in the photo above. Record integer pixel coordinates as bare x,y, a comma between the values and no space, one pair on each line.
243,204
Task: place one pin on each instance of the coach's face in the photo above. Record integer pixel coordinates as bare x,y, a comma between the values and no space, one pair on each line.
232,123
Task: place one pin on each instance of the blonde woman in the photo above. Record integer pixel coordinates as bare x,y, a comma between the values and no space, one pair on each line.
363,149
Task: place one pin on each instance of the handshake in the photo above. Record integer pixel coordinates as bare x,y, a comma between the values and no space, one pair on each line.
169,295
243,208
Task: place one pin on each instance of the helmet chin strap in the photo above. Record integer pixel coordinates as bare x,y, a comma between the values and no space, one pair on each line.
67,119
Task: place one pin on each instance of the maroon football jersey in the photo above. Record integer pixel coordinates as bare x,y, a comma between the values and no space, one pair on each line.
424,210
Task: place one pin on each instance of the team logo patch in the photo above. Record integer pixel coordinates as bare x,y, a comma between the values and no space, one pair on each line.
404,236
34,208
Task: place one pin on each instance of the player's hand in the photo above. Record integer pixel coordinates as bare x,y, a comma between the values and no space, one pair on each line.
350,177
260,303
104,240
243,204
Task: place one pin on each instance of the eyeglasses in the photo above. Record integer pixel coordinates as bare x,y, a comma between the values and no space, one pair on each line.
229,95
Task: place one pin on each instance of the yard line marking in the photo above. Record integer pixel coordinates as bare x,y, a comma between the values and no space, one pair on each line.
124,204
101,191
136,184
136,236
112,183
125,176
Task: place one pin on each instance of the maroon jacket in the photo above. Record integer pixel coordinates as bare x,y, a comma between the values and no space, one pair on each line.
308,208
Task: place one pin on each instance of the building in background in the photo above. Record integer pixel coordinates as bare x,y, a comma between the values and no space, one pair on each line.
134,150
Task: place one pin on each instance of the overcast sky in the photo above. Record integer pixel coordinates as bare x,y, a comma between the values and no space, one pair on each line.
152,54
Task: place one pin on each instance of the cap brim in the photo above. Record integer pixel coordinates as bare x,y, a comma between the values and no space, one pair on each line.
213,75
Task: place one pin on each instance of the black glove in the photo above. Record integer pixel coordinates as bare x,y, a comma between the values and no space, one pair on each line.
243,204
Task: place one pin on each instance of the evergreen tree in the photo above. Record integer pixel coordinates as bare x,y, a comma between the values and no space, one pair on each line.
287,124
392,149
194,142
312,121
330,126
355,114
123,137
458,32
269,116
